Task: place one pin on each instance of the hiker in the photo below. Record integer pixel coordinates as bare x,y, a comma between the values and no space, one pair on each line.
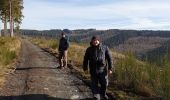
99,59
63,48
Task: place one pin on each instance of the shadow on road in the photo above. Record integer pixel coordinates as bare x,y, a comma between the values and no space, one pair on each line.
35,97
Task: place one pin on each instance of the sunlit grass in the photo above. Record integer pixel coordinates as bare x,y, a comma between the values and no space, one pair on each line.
76,53
9,51
165,78
45,43
131,74
146,79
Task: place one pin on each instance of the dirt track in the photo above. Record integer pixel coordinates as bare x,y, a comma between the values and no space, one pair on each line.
37,78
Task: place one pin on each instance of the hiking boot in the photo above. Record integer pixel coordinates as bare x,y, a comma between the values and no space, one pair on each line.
60,67
105,97
65,66
96,97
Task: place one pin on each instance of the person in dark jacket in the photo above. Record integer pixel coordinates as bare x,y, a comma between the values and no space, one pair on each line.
63,48
99,59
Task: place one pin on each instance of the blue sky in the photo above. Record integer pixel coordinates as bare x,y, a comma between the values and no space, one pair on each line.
99,14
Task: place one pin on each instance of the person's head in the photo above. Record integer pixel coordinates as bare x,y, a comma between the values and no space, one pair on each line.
62,34
95,41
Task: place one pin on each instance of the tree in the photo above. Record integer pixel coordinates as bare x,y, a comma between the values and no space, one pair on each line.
11,11
17,15
4,13
0,16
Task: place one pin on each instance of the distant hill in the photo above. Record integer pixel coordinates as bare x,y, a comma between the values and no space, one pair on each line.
143,43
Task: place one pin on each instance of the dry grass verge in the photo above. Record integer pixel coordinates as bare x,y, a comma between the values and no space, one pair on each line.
9,51
132,76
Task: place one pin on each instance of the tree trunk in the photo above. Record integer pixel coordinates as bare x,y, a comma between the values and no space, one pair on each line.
5,25
13,26
0,32
11,19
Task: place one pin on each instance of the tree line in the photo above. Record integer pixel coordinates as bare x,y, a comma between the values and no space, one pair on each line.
11,12
114,38
111,37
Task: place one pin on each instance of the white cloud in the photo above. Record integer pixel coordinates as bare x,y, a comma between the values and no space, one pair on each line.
131,14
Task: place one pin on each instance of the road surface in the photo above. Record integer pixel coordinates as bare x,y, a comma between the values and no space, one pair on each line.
37,78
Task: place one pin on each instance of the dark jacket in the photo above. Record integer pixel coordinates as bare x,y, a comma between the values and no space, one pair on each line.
63,44
98,58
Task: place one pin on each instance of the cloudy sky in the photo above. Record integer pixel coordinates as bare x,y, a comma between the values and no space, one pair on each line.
99,14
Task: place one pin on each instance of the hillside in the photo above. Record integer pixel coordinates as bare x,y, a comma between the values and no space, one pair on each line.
133,79
157,54
141,43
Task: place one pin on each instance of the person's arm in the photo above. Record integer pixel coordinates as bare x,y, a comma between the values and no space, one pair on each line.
109,59
66,44
59,45
86,60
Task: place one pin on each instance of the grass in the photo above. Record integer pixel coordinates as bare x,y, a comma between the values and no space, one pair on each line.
50,43
131,76
75,57
9,50
145,79
164,78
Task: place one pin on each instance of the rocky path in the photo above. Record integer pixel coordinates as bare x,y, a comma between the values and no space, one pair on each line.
37,78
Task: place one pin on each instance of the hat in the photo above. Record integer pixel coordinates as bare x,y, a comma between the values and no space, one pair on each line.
62,33
95,38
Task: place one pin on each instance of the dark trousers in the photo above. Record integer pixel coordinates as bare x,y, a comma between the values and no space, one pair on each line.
99,79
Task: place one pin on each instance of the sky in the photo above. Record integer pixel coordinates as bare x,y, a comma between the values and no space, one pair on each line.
98,14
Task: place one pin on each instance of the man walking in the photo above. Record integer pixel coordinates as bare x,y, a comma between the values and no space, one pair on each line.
99,59
63,48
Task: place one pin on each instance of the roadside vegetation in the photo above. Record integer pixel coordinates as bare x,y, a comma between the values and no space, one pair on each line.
146,79
9,51
133,79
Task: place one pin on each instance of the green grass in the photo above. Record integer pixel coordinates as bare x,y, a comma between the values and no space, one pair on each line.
133,75
145,79
165,78
7,56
